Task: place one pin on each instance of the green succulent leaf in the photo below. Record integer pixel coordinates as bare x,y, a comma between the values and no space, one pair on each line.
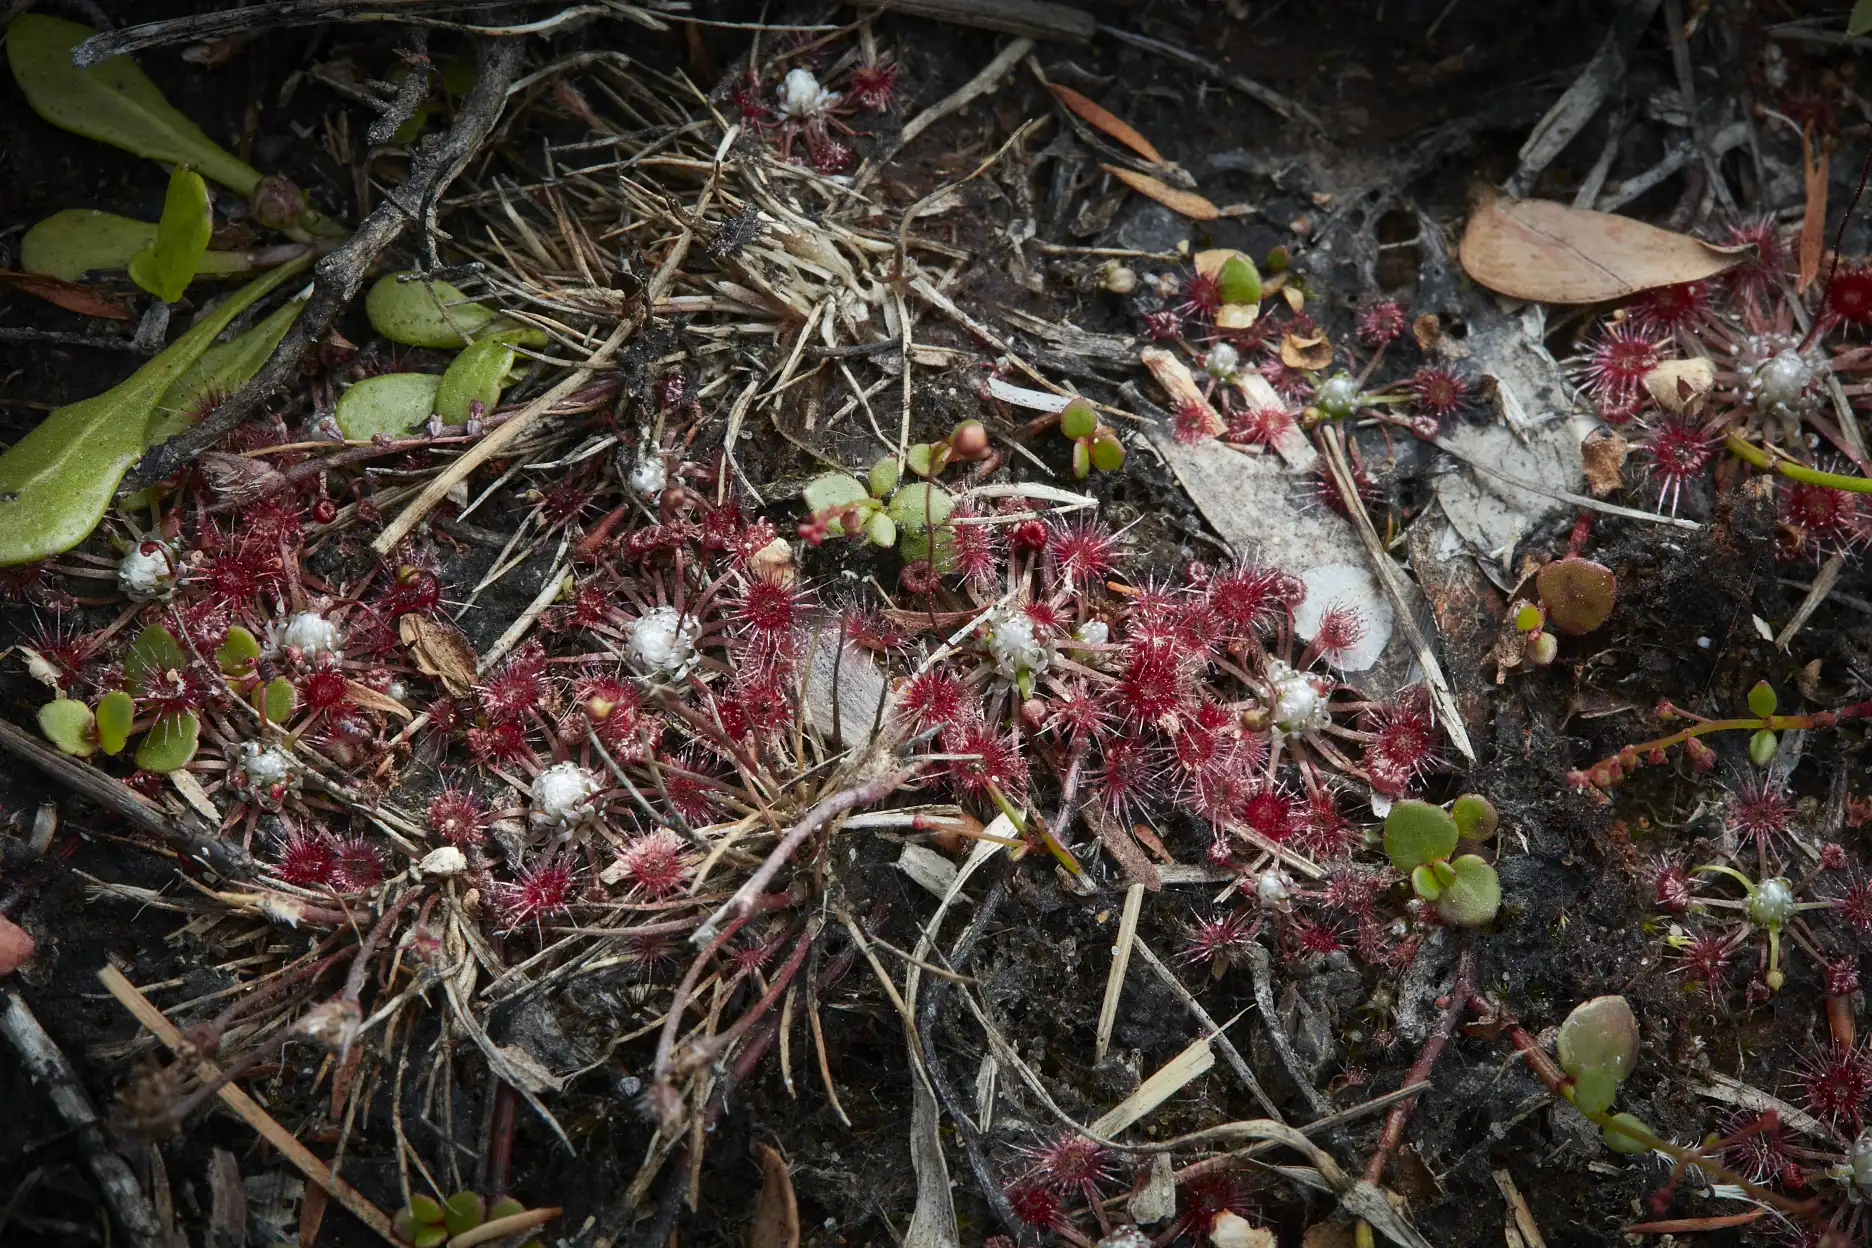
392,403
938,548
921,459
1078,419
238,651
69,724
920,505
1108,453
57,480
424,314
221,370
1594,1091
167,265
1238,282
1577,593
1616,1140
882,478
1528,617
1475,817
1425,884
1600,1034
881,530
275,700
463,1212
1416,833
1472,896
425,1208
833,489
116,712
76,241
505,1207
1762,746
154,652
480,372
1082,459
1762,700
113,102
170,742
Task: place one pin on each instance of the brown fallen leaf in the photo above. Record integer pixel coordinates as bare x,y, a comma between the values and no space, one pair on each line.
1312,353
1101,118
1813,219
1603,455
440,650
1540,250
1184,203
776,1214
1180,384
72,296
368,698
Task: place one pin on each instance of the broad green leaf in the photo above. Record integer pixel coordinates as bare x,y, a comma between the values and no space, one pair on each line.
1078,419
920,456
1762,700
1108,453
882,478
1475,817
392,403
505,1207
424,314
237,651
1594,1091
940,553
1416,833
57,480
221,370
480,372
116,711
275,700
76,241
920,505
833,489
1600,1034
1472,896
1424,883
170,742
881,530
69,724
463,1212
154,652
166,266
113,102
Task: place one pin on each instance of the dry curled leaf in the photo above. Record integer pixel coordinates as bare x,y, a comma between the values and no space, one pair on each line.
72,296
1428,331
776,1215
368,698
1184,203
1540,250
440,650
1177,382
1603,455
1103,119
1312,352
1681,385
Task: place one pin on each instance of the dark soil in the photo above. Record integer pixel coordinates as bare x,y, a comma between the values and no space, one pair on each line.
1411,120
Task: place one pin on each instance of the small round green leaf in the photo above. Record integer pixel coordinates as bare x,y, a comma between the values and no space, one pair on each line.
1238,282
1762,700
833,489
479,373
154,652
116,711
921,457
1475,817
1619,1142
69,724
425,1208
170,742
505,1207
1577,593
430,1237
882,478
1108,453
1416,833
920,505
392,403
1528,617
1078,419
1594,1091
881,530
1472,897
1599,1034
463,1212
1082,458
1425,884
1762,746
919,546
275,700
424,314
237,651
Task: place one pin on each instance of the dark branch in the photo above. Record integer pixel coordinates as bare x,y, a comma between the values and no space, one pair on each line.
205,27
338,277
410,93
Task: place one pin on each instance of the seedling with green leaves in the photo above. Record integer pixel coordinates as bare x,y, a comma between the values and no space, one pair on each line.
881,510
467,1218
1095,444
1422,841
161,687
1572,597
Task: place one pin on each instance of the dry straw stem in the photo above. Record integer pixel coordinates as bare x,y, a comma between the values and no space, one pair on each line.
1121,961
146,1013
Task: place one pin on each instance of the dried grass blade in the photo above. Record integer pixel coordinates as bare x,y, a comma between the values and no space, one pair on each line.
1183,203
1166,1082
1121,962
